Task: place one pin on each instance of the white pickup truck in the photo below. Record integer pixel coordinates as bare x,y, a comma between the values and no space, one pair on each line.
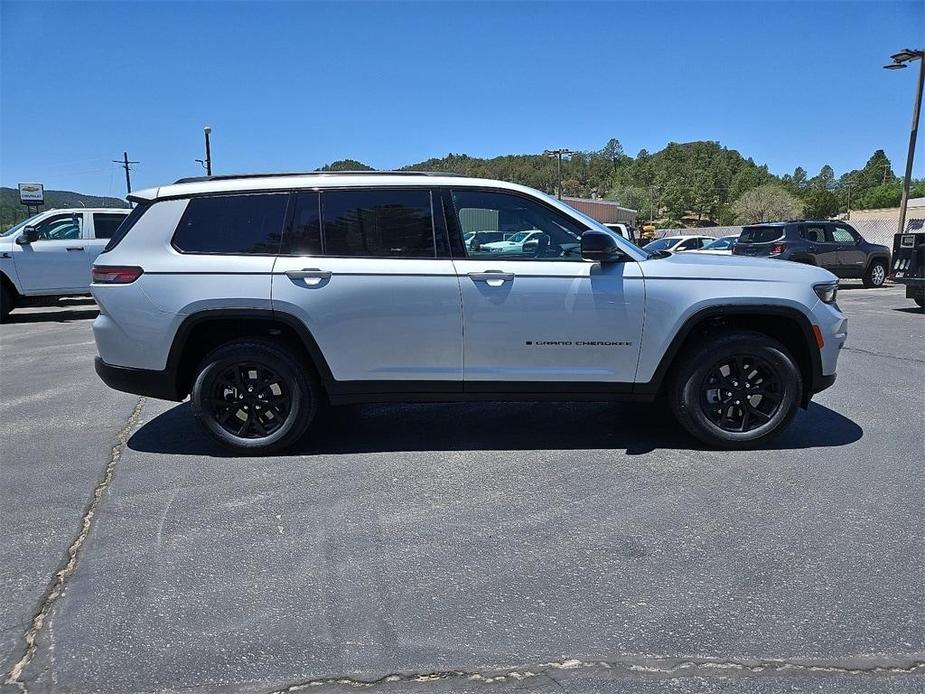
50,254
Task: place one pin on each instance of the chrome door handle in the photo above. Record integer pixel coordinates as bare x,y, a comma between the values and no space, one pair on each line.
309,273
75,248
493,277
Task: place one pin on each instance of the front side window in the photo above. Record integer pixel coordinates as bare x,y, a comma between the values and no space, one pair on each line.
659,245
378,223
844,235
690,245
62,227
232,224
513,227
105,225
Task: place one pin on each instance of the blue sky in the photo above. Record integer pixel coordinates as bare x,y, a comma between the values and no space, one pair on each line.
291,86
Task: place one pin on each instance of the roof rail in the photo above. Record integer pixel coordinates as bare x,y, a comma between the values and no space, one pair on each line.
230,177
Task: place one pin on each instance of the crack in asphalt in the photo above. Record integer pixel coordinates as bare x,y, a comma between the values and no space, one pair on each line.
71,557
654,665
885,356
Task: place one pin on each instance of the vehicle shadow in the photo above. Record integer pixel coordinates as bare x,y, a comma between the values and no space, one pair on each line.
911,309
57,315
633,428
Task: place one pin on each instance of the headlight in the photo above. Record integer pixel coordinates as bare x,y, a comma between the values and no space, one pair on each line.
826,292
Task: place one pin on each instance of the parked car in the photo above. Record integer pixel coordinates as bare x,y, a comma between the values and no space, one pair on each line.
625,230
49,255
514,244
678,243
909,264
264,297
721,246
835,246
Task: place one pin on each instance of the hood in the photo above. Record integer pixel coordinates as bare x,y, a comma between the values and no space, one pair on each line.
710,266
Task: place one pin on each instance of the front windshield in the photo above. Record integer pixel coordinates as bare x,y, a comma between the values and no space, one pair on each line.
658,245
16,227
721,244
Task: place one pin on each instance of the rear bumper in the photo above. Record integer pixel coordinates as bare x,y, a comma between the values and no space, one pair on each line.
152,384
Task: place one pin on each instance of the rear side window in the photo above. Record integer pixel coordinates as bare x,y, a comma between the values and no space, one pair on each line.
232,224
105,225
760,234
126,224
378,223
304,236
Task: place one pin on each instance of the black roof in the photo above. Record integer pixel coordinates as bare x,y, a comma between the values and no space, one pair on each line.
781,222
228,177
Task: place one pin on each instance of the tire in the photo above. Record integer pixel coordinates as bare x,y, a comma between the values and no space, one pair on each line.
875,275
6,302
254,375
751,365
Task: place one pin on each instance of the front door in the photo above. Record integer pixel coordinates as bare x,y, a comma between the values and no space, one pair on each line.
534,312
851,257
365,272
58,261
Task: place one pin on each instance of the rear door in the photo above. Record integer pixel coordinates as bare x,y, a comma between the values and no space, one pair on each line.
58,261
825,248
365,271
852,259
104,224
542,316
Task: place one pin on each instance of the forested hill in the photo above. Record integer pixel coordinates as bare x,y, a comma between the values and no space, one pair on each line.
11,211
692,183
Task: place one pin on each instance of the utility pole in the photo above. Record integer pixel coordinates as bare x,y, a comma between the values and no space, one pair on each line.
207,162
125,164
557,153
848,185
901,60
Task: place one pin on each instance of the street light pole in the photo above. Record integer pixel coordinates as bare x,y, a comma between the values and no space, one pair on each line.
557,153
901,60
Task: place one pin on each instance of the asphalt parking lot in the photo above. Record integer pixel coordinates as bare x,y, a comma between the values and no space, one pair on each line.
470,547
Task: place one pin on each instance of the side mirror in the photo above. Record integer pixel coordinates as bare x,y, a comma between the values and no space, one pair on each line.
600,247
28,235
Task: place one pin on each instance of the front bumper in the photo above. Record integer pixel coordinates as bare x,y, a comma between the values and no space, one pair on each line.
152,384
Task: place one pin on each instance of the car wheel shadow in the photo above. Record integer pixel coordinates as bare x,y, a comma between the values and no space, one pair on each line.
56,316
911,309
635,429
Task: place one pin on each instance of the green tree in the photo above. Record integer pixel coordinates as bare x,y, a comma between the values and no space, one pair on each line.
767,202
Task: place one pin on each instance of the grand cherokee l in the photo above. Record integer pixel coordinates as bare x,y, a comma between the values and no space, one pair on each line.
264,297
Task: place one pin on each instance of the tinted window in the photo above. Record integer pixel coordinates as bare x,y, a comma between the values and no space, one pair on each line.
378,223
62,227
513,227
814,234
760,234
105,225
127,223
236,224
304,236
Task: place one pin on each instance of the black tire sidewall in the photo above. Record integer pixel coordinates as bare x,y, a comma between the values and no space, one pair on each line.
687,388
303,396
6,302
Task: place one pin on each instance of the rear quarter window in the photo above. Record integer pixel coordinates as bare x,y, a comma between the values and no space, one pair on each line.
760,234
233,224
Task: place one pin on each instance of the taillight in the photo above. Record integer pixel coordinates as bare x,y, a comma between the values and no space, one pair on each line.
777,249
115,274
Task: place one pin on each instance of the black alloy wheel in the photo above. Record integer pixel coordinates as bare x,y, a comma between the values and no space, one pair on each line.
741,393
249,400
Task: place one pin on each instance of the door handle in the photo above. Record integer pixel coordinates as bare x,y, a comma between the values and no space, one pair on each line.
312,275
75,248
495,278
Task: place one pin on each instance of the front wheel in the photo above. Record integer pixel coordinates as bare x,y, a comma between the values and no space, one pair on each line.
254,396
875,275
736,390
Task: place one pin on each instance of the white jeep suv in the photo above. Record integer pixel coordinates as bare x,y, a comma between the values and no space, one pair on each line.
263,297
49,255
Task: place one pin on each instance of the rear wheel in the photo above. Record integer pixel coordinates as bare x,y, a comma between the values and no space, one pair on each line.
875,275
254,395
736,390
